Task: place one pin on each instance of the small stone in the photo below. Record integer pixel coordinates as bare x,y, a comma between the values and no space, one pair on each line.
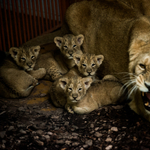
49,133
85,146
47,136
36,137
21,109
40,143
68,142
108,139
75,144
3,146
96,128
97,134
89,142
22,138
2,134
109,147
22,131
60,141
134,138
114,129
11,128
92,125
75,134
39,132
66,123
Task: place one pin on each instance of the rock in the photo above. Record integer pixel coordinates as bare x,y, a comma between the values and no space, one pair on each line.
109,147
92,125
68,142
2,134
11,128
75,143
114,129
22,131
89,142
40,143
60,141
39,132
108,139
21,109
97,134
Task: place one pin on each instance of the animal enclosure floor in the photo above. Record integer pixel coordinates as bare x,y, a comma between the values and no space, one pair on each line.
34,123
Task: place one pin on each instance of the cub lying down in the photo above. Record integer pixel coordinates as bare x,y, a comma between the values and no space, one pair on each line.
59,61
17,77
79,95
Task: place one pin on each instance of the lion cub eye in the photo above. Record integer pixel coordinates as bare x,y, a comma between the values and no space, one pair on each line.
23,59
32,57
93,65
74,46
70,89
84,65
80,89
142,66
65,47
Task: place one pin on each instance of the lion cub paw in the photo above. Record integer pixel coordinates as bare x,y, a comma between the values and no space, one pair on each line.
35,82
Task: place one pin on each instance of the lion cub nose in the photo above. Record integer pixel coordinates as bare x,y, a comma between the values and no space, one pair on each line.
70,52
89,70
74,96
29,64
148,86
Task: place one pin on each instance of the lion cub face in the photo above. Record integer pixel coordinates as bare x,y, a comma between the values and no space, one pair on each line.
69,44
25,57
88,64
75,87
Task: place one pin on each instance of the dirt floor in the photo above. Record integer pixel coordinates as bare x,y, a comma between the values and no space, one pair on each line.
33,123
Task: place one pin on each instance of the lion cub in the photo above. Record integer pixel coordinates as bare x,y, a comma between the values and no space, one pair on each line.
17,77
59,61
86,65
61,88
79,95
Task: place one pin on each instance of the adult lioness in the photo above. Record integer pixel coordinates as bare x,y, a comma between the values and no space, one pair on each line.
120,33
17,77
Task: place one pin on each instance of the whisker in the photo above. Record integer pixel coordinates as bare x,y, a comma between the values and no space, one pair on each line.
134,88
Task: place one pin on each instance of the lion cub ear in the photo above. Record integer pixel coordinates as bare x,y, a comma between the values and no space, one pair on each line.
99,59
80,39
87,82
13,51
36,50
58,41
63,82
77,58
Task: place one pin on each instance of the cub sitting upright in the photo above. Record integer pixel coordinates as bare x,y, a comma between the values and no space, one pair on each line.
86,65
17,77
58,62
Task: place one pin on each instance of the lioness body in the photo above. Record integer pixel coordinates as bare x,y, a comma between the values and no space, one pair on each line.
57,62
119,31
17,77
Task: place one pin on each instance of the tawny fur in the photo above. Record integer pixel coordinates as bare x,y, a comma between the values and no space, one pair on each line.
57,62
77,94
17,77
119,30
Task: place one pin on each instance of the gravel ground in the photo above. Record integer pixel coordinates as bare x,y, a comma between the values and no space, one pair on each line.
25,127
